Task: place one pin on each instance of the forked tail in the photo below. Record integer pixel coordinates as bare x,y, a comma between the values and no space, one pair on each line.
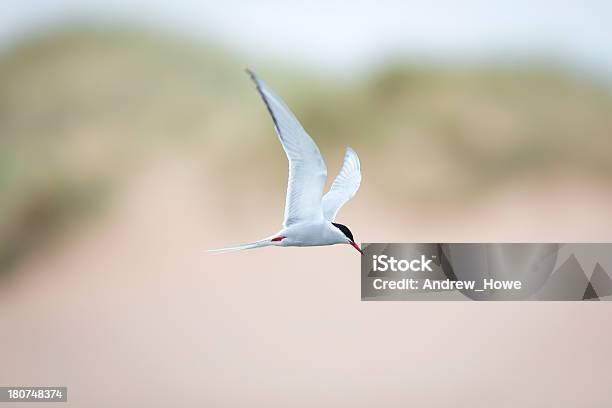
252,245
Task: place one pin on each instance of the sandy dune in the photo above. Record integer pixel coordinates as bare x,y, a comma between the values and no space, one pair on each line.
131,310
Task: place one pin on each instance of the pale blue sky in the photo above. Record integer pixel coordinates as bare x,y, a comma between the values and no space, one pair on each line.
347,35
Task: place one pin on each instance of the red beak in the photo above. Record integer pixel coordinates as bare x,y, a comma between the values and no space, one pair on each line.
356,247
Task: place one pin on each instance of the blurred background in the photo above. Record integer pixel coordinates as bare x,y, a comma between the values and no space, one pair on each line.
131,141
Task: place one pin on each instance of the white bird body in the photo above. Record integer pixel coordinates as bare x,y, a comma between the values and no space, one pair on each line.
313,233
309,214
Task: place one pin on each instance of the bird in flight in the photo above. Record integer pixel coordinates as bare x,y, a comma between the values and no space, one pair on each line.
309,215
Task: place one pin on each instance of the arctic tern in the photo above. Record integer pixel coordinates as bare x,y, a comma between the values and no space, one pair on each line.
309,215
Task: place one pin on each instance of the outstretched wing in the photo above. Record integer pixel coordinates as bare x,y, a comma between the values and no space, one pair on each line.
344,186
307,171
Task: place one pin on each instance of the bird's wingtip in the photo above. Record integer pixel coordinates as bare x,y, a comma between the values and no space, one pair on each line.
351,152
251,74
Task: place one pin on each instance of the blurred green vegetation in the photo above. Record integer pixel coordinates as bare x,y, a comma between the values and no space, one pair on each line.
80,109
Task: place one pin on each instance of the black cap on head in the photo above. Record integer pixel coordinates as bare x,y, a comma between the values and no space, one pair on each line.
345,230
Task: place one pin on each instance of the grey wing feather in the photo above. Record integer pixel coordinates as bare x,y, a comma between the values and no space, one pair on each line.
307,170
344,186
